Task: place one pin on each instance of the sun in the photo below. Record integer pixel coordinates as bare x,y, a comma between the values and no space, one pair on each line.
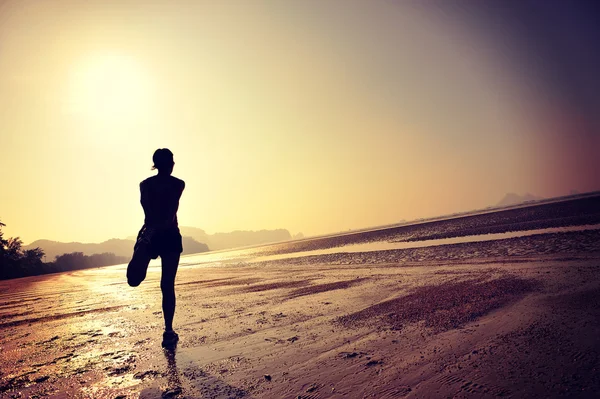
110,88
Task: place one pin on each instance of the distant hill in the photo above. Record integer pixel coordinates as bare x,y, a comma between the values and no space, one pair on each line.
195,240
116,246
514,199
238,238
54,248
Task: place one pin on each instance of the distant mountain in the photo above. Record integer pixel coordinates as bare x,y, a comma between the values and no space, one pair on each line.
195,240
191,246
116,246
514,199
238,238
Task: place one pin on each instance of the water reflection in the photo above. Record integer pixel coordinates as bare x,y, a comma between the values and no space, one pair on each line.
173,380
197,383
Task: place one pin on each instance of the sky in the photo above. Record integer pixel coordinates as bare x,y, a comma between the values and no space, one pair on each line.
312,116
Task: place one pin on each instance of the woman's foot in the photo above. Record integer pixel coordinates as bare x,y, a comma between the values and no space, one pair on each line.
170,339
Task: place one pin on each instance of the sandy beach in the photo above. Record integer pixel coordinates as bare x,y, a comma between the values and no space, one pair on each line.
352,199
514,317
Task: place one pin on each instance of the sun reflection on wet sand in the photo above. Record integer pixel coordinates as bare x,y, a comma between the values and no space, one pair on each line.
172,372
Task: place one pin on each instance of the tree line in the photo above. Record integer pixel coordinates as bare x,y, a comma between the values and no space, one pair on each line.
18,262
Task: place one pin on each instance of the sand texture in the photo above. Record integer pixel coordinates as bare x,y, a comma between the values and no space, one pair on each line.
507,318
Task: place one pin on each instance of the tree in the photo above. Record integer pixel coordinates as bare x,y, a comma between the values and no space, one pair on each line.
15,262
3,242
72,261
18,262
13,248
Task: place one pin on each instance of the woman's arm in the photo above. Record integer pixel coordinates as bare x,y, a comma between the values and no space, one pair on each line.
144,200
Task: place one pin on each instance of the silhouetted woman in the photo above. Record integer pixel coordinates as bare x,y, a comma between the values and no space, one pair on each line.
160,196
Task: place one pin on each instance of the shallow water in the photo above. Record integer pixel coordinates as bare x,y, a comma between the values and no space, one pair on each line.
251,256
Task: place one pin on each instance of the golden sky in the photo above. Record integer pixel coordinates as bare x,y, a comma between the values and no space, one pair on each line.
312,116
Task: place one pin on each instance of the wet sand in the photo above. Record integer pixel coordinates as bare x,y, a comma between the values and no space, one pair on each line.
506,318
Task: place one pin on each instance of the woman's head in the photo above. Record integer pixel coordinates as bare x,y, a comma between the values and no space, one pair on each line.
163,160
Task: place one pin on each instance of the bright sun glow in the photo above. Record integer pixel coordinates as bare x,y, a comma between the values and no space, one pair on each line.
110,89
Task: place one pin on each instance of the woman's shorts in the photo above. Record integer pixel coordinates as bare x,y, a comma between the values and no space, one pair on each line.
164,242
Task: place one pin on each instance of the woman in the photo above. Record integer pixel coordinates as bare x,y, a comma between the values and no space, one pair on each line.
160,235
